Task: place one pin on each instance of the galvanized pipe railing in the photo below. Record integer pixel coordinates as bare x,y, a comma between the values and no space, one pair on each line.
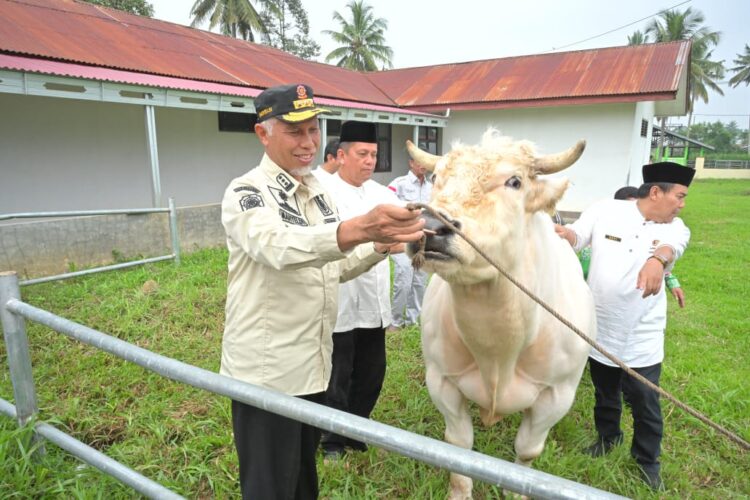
95,458
174,238
525,480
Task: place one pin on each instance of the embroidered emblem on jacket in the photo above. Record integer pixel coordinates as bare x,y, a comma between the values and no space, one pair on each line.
284,182
249,201
246,188
292,219
284,200
323,206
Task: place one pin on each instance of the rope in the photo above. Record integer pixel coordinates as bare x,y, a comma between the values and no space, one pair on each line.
419,259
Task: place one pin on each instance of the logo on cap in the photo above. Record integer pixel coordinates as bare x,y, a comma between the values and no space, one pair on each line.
301,92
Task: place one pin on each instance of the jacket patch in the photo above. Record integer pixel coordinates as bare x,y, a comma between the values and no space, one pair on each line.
246,188
323,206
285,182
613,238
284,201
249,201
292,219
331,220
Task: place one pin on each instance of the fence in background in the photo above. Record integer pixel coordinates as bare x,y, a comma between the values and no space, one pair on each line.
525,480
172,230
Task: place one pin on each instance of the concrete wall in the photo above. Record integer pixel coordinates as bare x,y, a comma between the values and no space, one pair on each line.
65,154
719,173
609,131
44,248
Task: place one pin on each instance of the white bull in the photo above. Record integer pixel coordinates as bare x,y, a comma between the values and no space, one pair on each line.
483,339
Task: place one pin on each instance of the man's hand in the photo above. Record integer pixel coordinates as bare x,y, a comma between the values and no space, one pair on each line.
390,247
679,295
383,224
650,277
566,234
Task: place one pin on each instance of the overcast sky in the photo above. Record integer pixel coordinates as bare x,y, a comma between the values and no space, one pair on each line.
421,33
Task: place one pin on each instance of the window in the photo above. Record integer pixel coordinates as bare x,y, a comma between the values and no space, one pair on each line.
384,148
644,128
428,140
237,122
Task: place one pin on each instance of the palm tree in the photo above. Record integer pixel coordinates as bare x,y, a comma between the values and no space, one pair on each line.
637,38
237,18
673,25
362,41
742,70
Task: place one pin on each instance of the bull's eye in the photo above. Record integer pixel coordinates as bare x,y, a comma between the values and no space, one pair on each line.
514,182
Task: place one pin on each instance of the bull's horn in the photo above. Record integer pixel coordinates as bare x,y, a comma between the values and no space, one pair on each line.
549,164
424,158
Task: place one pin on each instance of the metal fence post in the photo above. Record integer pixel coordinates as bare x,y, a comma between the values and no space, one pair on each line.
173,231
19,360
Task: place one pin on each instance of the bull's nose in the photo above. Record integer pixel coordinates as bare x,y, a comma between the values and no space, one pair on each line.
437,236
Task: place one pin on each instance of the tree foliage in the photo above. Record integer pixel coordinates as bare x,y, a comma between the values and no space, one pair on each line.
361,40
139,7
726,138
288,28
742,70
673,25
236,18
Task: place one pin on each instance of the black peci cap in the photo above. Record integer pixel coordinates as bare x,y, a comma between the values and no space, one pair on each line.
353,131
667,171
290,103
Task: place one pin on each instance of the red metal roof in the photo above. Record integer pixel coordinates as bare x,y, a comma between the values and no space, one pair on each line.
71,31
121,47
616,74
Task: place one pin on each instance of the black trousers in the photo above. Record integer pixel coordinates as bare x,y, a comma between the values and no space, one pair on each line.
610,383
356,379
276,454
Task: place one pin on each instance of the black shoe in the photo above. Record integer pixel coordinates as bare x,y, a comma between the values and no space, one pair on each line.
356,445
652,478
601,447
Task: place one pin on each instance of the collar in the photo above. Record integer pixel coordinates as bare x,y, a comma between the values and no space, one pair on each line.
414,179
281,177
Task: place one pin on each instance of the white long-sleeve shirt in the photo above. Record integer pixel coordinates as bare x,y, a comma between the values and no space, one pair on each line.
629,326
364,302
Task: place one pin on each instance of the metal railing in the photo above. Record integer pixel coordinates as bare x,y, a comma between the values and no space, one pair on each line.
525,480
731,164
171,210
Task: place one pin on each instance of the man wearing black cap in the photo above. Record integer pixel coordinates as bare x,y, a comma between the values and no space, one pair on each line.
359,358
288,250
632,245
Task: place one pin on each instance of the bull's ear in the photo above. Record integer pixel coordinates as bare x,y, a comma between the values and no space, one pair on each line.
544,194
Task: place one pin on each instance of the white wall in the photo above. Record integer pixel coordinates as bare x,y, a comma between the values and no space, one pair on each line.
607,128
67,154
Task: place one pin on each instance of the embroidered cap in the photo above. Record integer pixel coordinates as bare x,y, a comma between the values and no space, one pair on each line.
290,103
667,171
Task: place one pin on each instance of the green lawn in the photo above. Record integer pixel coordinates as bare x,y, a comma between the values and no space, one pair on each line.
181,436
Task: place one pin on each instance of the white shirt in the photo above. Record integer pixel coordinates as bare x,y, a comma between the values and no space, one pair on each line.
322,175
364,302
629,326
409,188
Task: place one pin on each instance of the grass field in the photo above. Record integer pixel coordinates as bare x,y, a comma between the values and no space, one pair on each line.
181,436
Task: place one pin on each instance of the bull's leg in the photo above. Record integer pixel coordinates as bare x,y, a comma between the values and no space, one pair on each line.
458,429
551,405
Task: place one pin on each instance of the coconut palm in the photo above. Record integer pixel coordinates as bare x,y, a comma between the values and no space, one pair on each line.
637,38
236,18
362,41
673,25
742,70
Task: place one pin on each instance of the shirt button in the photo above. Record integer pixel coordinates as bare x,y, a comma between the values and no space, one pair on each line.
631,250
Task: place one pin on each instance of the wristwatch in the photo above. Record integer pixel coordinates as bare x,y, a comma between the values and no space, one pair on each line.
660,258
